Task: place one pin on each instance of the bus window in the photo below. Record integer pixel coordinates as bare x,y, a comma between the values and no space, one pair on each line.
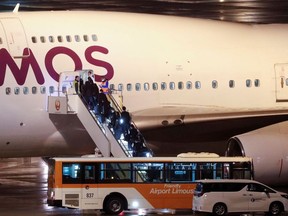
148,172
240,170
210,171
155,172
179,172
89,174
71,173
115,172
140,172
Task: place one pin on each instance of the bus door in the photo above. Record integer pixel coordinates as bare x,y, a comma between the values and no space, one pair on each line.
89,194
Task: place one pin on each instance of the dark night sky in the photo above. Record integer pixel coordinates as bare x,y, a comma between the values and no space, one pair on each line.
246,11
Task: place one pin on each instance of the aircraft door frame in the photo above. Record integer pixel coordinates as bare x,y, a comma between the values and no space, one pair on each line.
3,42
281,79
175,72
15,34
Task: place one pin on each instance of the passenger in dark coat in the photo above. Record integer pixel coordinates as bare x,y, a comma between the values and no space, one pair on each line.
104,106
132,136
95,96
125,121
88,90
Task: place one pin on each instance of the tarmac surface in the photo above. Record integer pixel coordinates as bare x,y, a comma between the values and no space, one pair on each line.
23,189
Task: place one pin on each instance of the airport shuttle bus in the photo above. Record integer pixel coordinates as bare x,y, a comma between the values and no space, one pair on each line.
153,183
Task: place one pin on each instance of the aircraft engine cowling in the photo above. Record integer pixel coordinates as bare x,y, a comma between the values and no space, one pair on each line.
268,146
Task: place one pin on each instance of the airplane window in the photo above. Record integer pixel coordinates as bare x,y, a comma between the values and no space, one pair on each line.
77,38
146,86
64,89
25,90
286,81
248,83
129,87
16,90
172,85
155,86
60,39
189,85
214,84
51,89
94,37
51,39
197,84
112,87
231,83
68,38
138,86
42,39
43,89
34,40
85,37
120,87
180,85
1,42
163,86
257,82
8,91
34,90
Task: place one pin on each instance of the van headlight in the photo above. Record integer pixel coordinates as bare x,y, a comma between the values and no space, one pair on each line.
285,196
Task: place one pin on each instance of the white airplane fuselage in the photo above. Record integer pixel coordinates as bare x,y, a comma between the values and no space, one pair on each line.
132,49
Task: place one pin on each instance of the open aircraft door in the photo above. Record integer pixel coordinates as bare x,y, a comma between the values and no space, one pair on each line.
16,37
281,79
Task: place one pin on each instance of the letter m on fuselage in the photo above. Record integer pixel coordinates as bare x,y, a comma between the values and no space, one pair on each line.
20,74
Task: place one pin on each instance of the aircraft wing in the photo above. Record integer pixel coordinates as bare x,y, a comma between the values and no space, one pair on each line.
165,116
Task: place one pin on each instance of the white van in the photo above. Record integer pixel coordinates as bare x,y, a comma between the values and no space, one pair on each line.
226,196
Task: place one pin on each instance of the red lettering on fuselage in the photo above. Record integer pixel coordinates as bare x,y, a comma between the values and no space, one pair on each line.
20,74
97,62
61,50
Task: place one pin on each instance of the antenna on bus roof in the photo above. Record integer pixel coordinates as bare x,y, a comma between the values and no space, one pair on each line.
16,9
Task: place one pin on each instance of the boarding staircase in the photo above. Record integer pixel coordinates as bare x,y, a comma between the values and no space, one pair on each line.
101,133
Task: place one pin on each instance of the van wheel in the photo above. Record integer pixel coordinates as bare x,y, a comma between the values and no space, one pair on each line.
114,205
219,209
275,208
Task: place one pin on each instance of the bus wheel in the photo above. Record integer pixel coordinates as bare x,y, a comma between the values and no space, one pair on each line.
219,209
114,205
